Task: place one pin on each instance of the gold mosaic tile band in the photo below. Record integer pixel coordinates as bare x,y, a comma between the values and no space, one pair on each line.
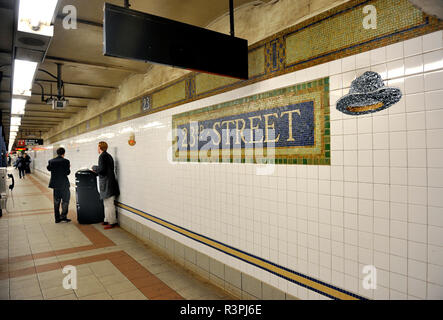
168,95
256,62
130,109
109,116
207,82
94,122
346,29
331,35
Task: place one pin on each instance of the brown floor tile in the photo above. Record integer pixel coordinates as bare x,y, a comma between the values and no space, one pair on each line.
48,267
156,291
169,296
22,272
145,281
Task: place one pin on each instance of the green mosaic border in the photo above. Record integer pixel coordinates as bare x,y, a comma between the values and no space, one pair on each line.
319,154
270,65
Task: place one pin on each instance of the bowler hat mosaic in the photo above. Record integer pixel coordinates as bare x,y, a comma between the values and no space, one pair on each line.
368,94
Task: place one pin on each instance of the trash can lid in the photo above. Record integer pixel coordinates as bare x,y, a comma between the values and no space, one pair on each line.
85,172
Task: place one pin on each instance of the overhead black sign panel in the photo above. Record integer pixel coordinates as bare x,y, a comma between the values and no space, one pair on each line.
140,36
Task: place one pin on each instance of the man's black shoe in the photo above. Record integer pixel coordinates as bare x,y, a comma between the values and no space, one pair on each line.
65,220
57,221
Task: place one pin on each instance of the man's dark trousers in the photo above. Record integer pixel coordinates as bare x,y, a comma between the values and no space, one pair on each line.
61,196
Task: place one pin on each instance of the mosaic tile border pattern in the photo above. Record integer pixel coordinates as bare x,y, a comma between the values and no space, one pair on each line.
269,58
315,152
315,285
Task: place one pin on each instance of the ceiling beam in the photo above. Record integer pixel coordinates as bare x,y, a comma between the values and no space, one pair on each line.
91,64
35,129
70,97
46,114
48,105
33,109
42,119
46,125
88,85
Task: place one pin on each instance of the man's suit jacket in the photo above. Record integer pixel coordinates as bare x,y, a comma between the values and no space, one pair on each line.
105,170
60,169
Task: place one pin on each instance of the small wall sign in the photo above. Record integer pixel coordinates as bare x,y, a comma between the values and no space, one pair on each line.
146,103
131,140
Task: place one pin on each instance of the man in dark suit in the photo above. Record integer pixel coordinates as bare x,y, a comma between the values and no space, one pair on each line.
108,184
27,163
60,169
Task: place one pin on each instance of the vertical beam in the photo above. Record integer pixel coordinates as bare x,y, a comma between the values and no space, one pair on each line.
231,16
59,80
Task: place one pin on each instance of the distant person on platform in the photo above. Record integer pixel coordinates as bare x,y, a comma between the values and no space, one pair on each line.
60,169
9,160
108,184
27,163
20,164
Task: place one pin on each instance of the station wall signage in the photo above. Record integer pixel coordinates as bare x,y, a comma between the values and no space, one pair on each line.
284,126
30,142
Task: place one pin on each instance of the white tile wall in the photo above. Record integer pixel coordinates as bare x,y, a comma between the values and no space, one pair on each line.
380,202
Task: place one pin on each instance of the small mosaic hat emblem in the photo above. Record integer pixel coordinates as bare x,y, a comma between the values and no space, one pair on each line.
368,94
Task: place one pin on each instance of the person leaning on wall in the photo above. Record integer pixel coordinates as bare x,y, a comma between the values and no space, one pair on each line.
108,184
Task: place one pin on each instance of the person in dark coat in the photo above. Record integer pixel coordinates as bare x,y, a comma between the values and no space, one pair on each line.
27,163
60,169
20,164
108,184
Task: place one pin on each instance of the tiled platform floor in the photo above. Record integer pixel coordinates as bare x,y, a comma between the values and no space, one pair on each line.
111,264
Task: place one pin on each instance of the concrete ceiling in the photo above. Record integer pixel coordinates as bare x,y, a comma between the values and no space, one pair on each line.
86,73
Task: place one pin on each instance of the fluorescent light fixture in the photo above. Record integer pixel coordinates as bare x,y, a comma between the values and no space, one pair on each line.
35,16
18,106
13,128
16,121
23,75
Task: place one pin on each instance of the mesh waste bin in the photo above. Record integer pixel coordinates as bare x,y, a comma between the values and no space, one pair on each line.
89,205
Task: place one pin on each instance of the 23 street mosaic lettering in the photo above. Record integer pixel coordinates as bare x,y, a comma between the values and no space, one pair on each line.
283,126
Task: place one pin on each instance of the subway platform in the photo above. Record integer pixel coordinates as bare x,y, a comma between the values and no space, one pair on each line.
110,264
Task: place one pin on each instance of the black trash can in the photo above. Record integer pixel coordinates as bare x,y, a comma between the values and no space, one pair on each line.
89,205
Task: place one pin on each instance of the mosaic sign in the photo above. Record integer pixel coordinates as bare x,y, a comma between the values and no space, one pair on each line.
284,126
